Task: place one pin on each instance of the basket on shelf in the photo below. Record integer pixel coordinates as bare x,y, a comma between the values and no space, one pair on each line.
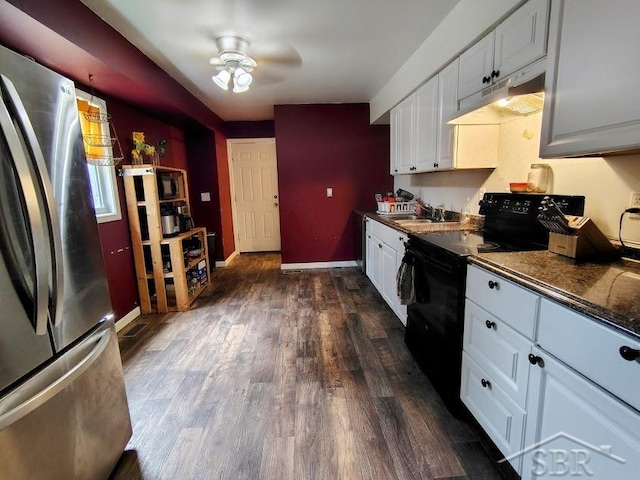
396,207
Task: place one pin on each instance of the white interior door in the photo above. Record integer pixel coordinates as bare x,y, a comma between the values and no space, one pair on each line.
255,175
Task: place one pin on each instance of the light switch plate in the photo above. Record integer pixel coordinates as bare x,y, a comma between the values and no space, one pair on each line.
329,192
205,196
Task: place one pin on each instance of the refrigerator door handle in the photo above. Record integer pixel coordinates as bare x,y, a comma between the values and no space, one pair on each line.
46,384
35,220
57,288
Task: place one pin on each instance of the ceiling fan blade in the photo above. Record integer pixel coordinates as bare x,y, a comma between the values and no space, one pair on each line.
216,62
275,54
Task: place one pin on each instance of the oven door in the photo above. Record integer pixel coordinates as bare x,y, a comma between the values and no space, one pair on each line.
435,321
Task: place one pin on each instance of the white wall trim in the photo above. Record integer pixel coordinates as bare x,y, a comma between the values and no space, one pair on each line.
305,266
128,318
227,261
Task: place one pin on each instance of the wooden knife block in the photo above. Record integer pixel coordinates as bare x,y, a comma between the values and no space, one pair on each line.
587,241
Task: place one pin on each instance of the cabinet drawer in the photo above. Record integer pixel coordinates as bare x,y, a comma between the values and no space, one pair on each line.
592,349
500,417
509,302
499,349
390,236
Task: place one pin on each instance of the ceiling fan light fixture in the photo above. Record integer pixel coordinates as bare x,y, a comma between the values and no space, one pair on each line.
222,79
242,78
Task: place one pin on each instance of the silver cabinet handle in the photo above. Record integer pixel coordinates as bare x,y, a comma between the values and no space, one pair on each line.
56,287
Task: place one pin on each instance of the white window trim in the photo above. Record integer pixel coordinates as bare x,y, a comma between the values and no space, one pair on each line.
106,174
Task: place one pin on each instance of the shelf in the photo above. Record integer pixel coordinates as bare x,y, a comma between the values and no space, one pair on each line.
163,291
193,262
182,236
173,200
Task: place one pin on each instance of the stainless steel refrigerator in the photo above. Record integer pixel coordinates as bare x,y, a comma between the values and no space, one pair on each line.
63,406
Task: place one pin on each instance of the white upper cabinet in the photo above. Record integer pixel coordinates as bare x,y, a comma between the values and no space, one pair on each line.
476,65
447,108
403,148
517,42
426,135
591,101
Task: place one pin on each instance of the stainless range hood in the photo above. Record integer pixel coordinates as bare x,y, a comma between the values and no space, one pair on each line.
515,96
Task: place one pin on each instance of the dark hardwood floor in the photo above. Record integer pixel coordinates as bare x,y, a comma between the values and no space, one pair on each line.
273,375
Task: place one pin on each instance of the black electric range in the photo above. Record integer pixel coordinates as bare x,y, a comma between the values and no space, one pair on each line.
435,320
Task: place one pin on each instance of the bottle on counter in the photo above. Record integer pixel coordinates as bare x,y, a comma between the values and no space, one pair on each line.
538,178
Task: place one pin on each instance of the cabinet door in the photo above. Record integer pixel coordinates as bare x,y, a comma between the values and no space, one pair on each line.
393,169
500,417
576,428
405,146
592,78
521,39
376,262
500,350
475,64
369,251
388,275
447,108
426,132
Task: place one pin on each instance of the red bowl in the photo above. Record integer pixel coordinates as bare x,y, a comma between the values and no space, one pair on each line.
518,187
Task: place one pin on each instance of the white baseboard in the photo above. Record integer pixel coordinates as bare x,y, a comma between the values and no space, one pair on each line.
127,319
305,266
227,261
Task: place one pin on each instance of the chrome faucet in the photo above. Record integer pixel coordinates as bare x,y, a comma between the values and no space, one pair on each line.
440,210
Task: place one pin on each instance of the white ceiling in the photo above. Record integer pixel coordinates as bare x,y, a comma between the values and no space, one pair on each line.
308,51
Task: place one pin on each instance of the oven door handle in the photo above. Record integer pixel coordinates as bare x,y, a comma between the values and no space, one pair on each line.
429,260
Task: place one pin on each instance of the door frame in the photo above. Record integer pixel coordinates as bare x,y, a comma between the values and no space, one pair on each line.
232,188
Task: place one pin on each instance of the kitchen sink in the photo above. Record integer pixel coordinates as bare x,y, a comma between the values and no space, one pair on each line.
412,221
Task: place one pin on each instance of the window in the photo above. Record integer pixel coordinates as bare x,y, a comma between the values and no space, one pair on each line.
104,188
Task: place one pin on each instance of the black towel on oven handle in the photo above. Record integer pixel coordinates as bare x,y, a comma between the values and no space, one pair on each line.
420,282
405,280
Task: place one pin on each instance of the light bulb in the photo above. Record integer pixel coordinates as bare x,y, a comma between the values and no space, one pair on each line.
222,79
503,102
242,78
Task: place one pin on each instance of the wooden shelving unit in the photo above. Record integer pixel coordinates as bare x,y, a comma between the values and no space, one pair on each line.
171,271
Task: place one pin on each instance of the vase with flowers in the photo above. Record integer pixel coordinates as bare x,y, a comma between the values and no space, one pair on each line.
142,151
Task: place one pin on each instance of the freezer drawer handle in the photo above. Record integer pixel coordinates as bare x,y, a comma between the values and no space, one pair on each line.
58,384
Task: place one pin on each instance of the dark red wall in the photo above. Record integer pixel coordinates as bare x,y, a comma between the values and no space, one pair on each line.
224,195
320,146
201,154
257,129
114,236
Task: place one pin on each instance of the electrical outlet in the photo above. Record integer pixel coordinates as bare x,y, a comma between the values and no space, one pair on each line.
634,202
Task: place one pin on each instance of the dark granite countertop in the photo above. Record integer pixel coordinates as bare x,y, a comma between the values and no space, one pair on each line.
607,292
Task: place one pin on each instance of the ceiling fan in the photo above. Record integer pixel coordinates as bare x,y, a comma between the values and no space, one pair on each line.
234,64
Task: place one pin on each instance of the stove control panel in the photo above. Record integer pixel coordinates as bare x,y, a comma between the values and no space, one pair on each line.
517,204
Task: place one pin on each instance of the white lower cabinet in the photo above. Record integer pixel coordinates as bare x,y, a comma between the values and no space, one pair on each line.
385,249
576,429
498,414
557,414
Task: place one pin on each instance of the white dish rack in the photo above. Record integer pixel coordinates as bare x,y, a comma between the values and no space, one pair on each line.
396,208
